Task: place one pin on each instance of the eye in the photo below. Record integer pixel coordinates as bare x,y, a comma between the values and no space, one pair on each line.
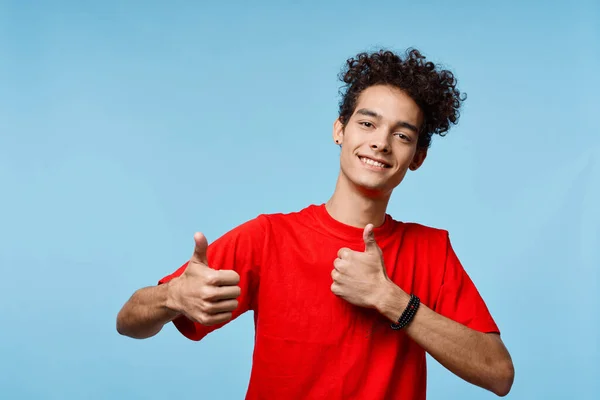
402,136
366,124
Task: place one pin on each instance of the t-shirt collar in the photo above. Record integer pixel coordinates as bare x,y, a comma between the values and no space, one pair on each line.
347,232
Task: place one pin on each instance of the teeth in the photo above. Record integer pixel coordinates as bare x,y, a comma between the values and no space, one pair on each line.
372,162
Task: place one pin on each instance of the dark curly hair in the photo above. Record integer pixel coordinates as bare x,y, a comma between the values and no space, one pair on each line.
434,90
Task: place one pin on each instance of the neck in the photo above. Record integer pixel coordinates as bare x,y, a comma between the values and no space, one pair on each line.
352,206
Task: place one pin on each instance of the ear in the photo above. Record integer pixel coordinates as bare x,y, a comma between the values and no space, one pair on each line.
338,132
418,159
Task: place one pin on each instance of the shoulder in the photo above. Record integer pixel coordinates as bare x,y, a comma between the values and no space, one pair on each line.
263,222
422,240
423,233
302,216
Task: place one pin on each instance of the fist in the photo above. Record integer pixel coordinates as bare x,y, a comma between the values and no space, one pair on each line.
202,294
360,277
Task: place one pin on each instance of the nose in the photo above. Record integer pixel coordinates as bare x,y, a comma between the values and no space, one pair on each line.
380,143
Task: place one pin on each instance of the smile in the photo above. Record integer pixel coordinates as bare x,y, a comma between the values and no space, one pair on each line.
373,163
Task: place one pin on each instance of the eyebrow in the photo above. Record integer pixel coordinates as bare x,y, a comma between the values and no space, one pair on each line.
398,124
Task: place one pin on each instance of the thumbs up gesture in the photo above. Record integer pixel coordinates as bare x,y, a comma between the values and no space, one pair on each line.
202,294
360,277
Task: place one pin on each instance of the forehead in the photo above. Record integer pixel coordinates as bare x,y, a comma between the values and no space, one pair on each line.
391,103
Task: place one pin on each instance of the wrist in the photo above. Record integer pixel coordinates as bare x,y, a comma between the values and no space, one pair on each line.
392,302
171,302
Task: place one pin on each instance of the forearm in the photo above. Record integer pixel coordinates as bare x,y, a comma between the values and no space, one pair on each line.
145,313
476,357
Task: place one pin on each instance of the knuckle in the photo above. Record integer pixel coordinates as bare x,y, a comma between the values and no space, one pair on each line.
202,319
211,277
206,293
341,265
209,308
211,320
344,253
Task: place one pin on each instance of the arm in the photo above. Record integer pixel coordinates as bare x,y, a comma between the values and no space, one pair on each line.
452,331
479,358
215,286
197,296
145,313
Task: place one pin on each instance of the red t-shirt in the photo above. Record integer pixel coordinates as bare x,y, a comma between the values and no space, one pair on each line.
311,344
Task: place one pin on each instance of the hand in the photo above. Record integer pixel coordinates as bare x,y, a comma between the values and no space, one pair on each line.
360,277
202,294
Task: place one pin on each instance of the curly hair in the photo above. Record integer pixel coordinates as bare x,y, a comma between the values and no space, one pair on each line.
434,90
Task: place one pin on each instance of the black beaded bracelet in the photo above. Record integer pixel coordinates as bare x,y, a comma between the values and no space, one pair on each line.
408,313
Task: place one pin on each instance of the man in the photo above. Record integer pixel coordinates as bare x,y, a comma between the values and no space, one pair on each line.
346,300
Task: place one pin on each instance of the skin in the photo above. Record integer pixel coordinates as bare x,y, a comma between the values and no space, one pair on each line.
384,126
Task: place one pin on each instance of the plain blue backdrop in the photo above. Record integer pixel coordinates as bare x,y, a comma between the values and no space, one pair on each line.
127,126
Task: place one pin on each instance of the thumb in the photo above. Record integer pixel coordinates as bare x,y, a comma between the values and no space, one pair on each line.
200,249
369,238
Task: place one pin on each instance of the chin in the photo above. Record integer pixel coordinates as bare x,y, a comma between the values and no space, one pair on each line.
369,185
373,189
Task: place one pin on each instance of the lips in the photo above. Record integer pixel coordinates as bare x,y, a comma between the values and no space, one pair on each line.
374,162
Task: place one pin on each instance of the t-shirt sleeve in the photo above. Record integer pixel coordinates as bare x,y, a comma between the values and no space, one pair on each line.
459,299
239,250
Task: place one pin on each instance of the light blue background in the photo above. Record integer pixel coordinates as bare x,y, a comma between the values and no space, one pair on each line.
127,126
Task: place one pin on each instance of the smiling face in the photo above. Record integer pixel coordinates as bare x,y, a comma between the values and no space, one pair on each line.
379,141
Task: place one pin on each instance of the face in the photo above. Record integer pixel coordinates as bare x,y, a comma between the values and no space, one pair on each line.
379,142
